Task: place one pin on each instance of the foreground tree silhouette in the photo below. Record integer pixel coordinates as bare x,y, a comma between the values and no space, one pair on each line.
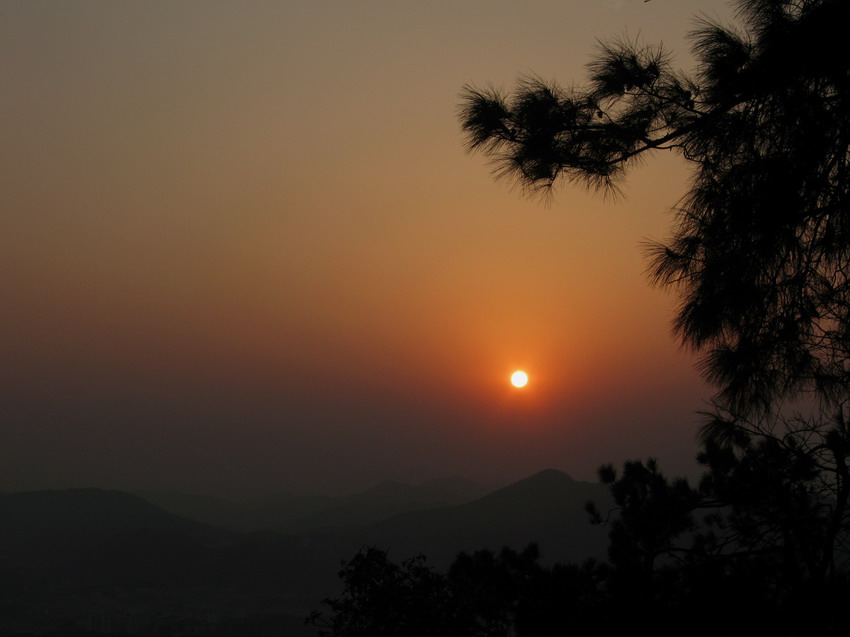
652,513
385,599
763,539
782,499
483,594
760,255
760,252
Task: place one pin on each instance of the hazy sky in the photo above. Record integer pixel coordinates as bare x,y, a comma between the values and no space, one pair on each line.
242,249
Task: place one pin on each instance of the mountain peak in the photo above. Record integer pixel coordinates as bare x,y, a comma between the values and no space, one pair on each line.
550,474
88,511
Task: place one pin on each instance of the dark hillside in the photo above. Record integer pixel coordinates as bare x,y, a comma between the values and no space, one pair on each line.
547,508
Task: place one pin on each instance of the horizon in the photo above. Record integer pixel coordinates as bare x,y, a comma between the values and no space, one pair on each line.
244,498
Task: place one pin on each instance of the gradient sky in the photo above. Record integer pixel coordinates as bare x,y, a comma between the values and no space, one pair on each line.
242,249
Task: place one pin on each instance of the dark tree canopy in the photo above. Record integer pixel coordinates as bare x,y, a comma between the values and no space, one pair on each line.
760,251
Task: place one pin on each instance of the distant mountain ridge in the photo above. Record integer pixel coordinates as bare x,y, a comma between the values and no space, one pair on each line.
90,512
117,553
300,514
546,508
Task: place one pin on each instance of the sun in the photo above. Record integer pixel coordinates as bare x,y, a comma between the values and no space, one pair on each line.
519,379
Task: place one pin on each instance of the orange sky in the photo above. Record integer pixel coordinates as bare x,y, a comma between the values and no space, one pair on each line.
242,249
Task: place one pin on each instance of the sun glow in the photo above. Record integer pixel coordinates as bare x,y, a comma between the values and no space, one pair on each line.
519,379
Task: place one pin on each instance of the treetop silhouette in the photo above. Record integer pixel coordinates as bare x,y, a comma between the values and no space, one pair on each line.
760,251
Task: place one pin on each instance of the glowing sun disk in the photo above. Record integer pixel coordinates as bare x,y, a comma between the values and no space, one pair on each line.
519,379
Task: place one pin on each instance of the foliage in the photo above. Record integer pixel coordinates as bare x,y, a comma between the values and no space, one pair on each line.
492,589
384,599
764,538
761,256
769,520
785,491
762,542
760,252
652,514
483,594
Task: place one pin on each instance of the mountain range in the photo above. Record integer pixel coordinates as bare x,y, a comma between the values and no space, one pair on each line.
293,514
91,557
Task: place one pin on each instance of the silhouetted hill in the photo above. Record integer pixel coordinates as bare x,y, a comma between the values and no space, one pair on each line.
69,556
69,526
444,491
212,510
547,508
95,536
88,512
385,500
79,556
303,514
